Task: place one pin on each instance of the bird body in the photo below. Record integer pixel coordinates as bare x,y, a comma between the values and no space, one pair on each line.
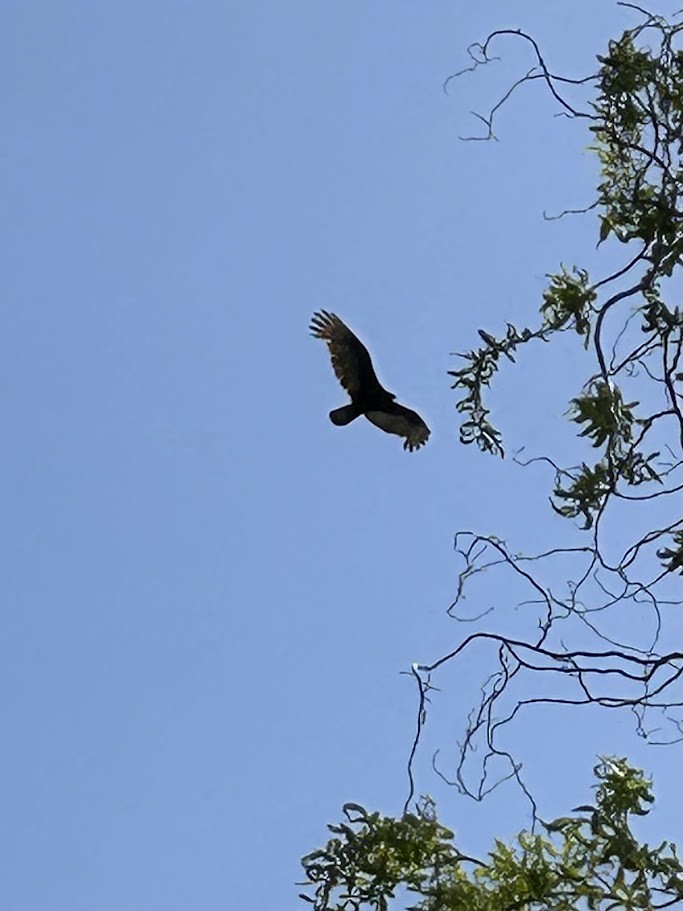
353,368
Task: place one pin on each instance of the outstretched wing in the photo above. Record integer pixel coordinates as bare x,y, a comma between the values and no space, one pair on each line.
403,422
350,358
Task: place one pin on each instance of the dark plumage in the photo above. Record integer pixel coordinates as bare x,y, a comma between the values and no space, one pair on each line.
353,368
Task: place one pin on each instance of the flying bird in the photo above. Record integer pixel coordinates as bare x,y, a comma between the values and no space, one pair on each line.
353,368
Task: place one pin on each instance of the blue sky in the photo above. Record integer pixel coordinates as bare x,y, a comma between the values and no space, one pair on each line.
211,591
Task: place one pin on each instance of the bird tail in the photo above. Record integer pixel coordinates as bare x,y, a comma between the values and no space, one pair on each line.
344,415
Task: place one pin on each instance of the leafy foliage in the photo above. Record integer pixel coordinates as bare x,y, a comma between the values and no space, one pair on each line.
567,301
672,557
637,126
590,858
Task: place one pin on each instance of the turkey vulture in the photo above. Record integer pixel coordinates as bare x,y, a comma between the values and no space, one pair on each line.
353,368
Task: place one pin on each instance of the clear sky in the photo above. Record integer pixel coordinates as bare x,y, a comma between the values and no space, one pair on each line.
209,591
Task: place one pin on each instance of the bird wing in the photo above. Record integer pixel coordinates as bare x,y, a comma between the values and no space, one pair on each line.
403,422
350,358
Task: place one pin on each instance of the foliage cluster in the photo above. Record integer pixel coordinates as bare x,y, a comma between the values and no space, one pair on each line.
589,859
